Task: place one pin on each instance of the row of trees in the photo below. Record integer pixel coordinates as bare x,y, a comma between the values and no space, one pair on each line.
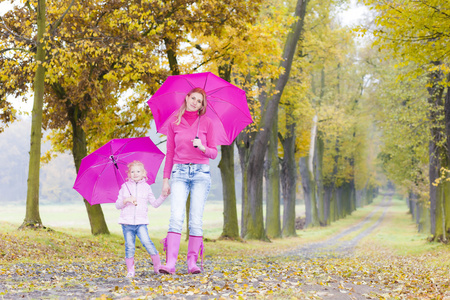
323,106
92,54
412,87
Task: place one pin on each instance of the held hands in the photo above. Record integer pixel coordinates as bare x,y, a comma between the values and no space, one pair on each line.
166,187
130,199
198,143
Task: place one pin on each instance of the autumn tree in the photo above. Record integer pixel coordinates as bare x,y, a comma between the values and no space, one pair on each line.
252,209
417,32
32,217
24,43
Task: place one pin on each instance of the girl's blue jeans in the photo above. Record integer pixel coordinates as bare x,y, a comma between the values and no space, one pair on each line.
196,180
130,232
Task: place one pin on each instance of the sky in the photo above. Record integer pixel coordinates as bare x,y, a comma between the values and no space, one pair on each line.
354,15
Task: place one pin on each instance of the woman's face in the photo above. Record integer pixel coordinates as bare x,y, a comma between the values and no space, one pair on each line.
194,102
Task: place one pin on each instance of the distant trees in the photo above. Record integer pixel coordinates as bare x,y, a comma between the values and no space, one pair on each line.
416,34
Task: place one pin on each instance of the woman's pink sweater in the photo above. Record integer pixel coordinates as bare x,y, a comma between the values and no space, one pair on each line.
179,143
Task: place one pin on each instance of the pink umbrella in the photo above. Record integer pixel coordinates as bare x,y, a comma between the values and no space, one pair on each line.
227,104
102,172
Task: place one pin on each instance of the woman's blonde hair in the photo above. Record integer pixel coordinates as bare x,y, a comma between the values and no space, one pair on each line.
201,111
136,163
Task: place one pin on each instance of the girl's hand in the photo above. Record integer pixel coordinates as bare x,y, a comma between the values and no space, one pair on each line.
166,187
198,143
130,199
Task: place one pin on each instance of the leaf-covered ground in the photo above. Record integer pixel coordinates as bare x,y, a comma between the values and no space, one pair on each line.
352,264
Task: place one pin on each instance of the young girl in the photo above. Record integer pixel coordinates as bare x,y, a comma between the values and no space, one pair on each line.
134,218
190,146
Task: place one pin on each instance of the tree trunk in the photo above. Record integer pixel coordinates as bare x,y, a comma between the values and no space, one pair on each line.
272,172
243,145
328,208
411,201
446,200
226,166
318,159
289,182
172,56
423,217
254,222
306,185
32,217
230,220
311,169
438,156
79,150
339,203
433,175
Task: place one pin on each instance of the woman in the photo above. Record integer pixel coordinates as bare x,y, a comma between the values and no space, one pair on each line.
190,146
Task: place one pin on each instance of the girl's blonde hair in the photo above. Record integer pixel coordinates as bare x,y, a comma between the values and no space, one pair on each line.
201,111
138,164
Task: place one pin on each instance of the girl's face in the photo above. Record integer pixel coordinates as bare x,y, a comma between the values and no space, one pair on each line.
136,173
194,102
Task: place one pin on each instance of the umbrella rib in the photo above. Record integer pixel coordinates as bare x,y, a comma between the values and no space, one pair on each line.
206,81
190,83
217,90
119,151
224,101
94,166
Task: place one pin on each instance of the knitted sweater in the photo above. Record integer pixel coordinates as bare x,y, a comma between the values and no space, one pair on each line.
179,143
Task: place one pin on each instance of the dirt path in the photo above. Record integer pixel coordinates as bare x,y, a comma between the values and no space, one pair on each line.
323,270
339,245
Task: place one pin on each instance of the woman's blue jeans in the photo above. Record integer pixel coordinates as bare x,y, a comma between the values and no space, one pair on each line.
196,180
130,232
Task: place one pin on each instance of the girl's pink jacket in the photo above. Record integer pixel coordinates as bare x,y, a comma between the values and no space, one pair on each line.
136,215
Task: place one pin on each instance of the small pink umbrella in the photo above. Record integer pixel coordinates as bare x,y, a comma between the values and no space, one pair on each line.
227,104
103,172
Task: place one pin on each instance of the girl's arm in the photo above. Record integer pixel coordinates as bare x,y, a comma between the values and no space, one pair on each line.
153,201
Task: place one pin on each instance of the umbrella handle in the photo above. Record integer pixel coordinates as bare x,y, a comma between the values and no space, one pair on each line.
198,125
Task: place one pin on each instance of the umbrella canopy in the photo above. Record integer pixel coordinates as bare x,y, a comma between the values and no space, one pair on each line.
103,172
227,104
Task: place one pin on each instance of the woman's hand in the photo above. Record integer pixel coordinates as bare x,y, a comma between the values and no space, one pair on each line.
198,143
166,187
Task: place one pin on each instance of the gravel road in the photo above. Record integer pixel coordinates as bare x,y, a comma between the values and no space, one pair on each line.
247,277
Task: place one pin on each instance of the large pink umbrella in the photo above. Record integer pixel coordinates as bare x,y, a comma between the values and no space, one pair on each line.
227,104
102,172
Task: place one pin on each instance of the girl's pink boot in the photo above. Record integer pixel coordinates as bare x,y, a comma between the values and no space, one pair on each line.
156,263
130,266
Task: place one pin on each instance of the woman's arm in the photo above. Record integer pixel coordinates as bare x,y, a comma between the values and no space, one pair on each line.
211,146
166,188
170,151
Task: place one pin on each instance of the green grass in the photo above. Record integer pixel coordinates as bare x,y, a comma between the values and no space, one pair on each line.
74,217
71,222
398,232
